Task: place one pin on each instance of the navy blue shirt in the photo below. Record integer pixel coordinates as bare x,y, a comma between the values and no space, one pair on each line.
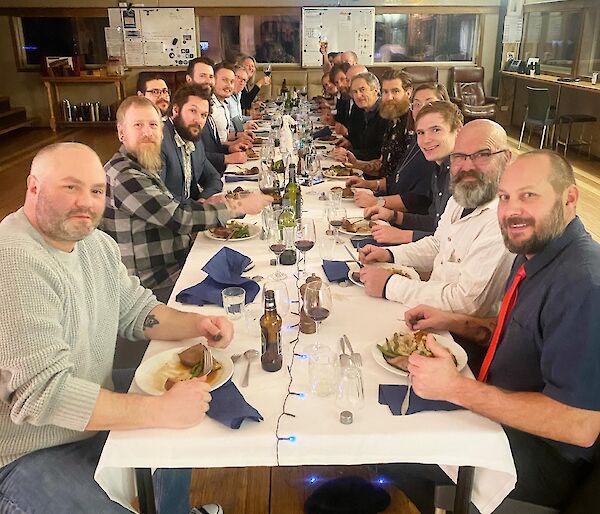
551,340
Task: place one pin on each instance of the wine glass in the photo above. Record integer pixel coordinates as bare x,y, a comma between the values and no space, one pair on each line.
268,70
304,240
336,216
277,246
312,165
266,155
282,297
317,304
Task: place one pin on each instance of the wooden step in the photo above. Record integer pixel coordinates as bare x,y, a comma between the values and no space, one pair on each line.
4,103
26,123
12,117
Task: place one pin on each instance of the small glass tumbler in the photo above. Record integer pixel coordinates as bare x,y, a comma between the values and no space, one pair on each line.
234,299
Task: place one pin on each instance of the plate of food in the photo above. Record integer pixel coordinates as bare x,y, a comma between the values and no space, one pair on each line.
233,231
359,226
347,193
251,154
392,353
396,269
158,373
237,193
238,171
340,172
328,139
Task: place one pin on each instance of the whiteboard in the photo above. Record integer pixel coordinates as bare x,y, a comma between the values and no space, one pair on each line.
346,28
157,37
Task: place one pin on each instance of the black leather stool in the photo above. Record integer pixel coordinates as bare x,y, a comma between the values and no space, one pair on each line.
569,119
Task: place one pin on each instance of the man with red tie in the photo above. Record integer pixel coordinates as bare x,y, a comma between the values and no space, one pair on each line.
541,374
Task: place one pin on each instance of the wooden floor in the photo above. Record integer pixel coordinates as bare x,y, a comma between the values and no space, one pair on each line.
246,490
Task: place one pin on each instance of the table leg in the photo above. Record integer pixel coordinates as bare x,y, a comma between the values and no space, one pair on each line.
145,489
464,485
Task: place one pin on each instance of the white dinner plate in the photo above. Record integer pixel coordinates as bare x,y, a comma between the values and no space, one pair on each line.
152,374
362,233
333,176
413,275
252,229
238,173
457,350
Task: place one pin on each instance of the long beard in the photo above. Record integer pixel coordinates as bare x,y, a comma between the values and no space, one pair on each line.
393,109
473,194
148,155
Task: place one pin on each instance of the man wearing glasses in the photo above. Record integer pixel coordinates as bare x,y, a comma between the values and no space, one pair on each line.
466,256
155,89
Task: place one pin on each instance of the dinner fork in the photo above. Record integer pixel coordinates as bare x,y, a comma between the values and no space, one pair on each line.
406,401
354,356
207,363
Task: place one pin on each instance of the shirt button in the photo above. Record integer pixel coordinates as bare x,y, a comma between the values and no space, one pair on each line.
449,239
439,194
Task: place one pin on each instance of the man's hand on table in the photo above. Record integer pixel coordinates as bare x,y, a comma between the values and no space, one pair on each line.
339,154
239,146
344,143
251,125
433,378
218,330
377,212
391,235
340,129
355,181
364,199
236,158
374,280
248,204
184,405
372,253
425,317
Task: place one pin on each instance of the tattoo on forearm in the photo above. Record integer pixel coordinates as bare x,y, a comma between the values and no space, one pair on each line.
150,321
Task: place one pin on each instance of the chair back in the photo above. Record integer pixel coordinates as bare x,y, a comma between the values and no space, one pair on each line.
421,74
538,104
587,496
467,84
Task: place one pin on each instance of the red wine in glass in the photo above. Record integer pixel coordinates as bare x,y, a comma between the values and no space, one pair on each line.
304,245
336,223
277,248
318,314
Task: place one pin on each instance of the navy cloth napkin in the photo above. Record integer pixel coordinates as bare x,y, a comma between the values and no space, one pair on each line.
360,242
336,271
235,178
392,396
229,407
224,269
324,132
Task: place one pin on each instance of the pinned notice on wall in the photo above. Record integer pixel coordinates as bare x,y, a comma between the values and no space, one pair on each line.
341,28
513,28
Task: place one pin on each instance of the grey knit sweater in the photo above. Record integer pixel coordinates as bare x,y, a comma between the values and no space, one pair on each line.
59,315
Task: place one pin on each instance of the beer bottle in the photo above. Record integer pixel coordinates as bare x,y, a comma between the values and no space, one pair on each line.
270,331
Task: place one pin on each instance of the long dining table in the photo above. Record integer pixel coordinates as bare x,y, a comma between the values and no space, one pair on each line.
312,434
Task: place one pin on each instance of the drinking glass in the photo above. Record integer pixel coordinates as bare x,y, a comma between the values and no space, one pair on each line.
313,169
317,305
277,246
336,217
304,240
282,297
268,182
268,70
323,372
350,393
267,153
234,299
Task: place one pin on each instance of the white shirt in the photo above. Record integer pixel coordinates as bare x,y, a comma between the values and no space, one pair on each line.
221,116
468,261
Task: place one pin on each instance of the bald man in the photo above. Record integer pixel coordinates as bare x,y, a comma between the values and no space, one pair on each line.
466,256
66,295
350,57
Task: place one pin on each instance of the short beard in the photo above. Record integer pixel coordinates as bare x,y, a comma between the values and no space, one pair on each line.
548,229
393,109
473,194
148,155
184,131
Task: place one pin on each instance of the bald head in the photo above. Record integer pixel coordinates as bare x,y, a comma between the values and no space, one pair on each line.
488,132
350,57
355,70
53,157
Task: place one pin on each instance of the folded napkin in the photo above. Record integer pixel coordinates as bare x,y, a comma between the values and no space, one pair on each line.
336,271
358,242
229,407
235,178
393,395
224,269
324,132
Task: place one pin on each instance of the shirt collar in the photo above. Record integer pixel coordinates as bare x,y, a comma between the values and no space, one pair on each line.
573,230
189,146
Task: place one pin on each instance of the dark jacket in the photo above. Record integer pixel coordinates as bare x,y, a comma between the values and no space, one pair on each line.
342,108
365,132
215,150
204,175
248,97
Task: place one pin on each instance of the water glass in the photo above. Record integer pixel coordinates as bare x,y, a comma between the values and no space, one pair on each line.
323,372
350,394
252,315
234,299
334,197
327,245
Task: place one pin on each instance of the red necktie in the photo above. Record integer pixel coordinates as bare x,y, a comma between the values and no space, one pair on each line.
508,303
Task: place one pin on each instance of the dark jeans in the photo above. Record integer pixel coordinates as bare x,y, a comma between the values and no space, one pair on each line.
60,480
544,477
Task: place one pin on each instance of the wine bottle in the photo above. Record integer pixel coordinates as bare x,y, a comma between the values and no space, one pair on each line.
292,189
284,88
287,225
270,334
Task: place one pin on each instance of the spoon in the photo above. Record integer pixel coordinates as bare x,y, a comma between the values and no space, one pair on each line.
250,355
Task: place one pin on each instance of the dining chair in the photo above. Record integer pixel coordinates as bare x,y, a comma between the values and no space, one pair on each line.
538,113
466,86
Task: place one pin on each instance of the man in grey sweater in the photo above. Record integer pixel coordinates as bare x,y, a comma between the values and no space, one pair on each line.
65,297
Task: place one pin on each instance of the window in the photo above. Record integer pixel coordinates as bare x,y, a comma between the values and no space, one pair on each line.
589,61
553,37
425,37
270,39
57,36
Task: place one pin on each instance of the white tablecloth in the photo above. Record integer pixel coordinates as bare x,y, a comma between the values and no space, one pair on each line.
450,439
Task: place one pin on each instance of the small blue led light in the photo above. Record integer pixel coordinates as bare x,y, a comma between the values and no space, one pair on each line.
292,439
312,479
381,480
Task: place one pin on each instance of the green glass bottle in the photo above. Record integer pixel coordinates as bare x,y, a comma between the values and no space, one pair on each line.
287,226
292,189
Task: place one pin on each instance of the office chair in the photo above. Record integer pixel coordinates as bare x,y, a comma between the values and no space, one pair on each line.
468,93
539,113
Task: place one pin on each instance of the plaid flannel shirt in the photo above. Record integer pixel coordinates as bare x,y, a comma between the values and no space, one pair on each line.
153,230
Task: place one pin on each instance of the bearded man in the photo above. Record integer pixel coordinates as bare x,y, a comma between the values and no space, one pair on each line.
153,230
466,256
187,172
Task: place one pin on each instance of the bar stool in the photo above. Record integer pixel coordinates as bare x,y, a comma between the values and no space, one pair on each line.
569,119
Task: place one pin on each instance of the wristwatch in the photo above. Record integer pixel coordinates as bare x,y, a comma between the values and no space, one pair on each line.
381,201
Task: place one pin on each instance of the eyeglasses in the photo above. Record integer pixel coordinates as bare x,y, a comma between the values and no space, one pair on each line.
480,158
158,92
